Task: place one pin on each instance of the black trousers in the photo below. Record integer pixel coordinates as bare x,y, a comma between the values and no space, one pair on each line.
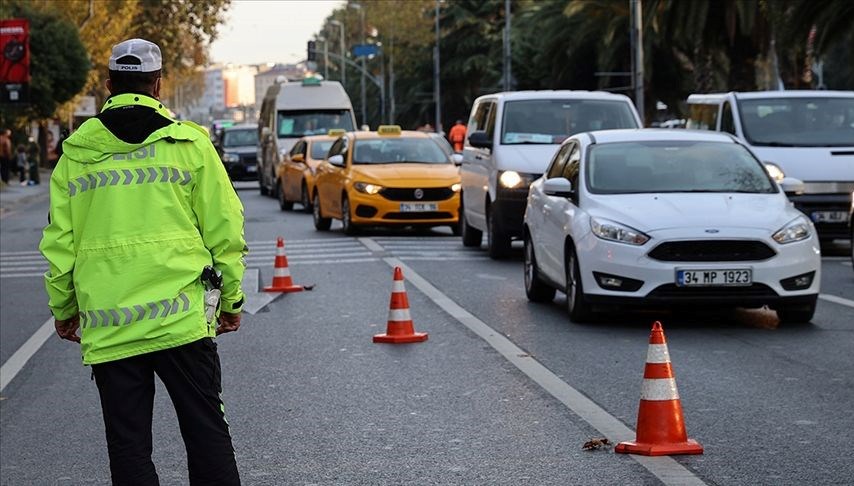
192,376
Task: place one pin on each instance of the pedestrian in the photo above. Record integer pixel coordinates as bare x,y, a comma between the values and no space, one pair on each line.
33,162
6,154
143,223
23,164
457,135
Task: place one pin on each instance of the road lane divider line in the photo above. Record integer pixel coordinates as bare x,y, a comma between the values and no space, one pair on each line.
665,468
836,300
16,362
20,275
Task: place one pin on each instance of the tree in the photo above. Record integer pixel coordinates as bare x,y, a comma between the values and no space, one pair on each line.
57,75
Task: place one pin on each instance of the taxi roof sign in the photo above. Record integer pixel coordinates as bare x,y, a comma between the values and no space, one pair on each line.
388,130
310,81
334,132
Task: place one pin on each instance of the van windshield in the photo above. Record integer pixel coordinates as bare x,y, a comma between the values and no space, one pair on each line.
798,122
674,166
551,121
300,123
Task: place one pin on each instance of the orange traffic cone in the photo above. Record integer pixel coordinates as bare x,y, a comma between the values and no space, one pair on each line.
400,328
661,426
282,281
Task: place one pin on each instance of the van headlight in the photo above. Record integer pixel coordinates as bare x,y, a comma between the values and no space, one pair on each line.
611,231
774,171
367,187
796,230
230,158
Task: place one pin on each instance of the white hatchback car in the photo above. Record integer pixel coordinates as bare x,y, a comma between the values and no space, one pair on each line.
667,218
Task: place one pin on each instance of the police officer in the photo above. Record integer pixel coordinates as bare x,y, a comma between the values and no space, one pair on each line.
139,205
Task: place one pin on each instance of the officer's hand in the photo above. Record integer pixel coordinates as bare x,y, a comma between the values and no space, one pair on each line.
228,323
67,328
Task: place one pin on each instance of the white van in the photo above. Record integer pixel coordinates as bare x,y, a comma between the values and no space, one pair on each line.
291,110
806,135
510,139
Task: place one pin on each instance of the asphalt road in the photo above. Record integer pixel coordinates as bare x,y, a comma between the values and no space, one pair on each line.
503,392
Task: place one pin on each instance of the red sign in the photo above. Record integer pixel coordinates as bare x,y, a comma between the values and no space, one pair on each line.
14,51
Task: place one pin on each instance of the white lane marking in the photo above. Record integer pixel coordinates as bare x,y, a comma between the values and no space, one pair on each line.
316,241
324,262
314,251
22,268
21,260
298,258
372,245
836,300
21,275
19,253
440,258
16,362
665,468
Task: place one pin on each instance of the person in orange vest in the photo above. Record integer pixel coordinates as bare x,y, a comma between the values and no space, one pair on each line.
457,135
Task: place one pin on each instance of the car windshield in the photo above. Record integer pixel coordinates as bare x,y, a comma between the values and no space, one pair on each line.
312,122
240,138
674,166
394,150
320,149
798,122
551,121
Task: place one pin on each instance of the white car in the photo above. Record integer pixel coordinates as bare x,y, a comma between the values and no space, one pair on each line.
667,218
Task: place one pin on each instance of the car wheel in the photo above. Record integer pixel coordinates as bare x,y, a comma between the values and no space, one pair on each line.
796,314
320,223
349,228
578,308
497,242
304,200
284,204
472,236
535,288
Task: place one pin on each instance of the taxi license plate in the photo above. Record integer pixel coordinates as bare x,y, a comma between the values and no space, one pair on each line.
829,216
737,277
417,207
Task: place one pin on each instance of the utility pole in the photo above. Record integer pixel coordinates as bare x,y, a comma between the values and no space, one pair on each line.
326,59
391,81
436,87
637,54
341,40
508,86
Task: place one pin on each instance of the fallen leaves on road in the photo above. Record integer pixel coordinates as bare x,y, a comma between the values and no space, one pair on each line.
596,444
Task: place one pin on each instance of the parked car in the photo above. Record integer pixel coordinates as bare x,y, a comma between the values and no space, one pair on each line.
386,178
667,218
238,145
295,176
509,141
804,134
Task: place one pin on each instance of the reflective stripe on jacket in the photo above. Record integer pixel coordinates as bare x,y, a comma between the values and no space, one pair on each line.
131,227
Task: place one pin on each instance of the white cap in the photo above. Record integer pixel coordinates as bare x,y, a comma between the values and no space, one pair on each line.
146,52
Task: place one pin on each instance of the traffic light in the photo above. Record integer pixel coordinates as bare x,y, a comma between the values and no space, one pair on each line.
312,56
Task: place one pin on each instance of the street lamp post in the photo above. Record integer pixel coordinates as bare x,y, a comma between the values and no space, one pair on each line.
343,66
436,87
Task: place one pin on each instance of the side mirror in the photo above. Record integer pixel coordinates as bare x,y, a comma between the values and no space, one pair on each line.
337,160
792,186
558,187
480,140
299,158
458,159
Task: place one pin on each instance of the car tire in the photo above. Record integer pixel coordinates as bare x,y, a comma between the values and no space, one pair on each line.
535,288
497,242
304,200
320,223
801,314
349,228
284,204
456,229
472,237
579,309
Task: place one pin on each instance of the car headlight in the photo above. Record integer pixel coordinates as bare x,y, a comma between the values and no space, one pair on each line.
510,179
775,171
230,158
611,231
456,187
796,230
367,187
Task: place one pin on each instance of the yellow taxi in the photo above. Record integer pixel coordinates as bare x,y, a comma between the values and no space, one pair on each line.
295,175
386,178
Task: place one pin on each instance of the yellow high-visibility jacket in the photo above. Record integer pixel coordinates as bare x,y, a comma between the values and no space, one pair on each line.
131,227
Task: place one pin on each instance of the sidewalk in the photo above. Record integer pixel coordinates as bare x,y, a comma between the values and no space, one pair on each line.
14,195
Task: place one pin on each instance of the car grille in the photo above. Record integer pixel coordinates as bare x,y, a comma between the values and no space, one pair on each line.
249,159
408,194
419,215
712,251
674,292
